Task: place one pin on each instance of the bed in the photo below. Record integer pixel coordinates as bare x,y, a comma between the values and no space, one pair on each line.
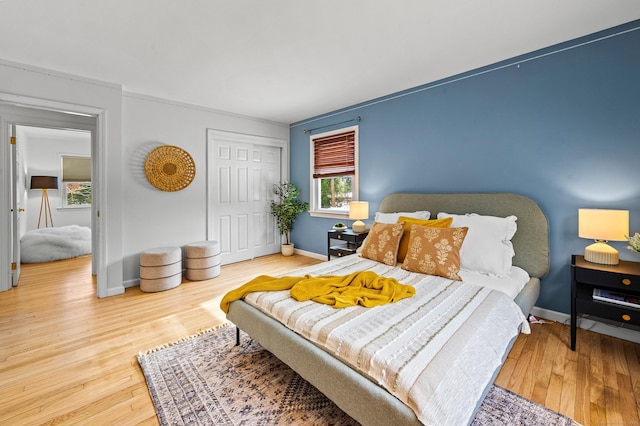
362,395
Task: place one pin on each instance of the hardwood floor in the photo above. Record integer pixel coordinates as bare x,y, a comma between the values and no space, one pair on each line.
67,357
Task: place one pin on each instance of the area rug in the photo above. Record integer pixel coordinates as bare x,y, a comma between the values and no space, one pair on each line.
206,380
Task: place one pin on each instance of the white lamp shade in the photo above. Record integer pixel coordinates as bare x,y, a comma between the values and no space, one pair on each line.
603,225
359,210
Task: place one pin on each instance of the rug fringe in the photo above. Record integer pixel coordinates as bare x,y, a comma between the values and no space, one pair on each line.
184,339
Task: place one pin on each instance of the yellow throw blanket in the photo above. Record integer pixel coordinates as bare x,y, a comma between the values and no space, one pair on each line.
364,288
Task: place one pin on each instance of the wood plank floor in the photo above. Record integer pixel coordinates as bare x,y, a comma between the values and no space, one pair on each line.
67,357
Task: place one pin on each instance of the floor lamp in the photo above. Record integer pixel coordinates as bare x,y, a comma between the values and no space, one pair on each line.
45,183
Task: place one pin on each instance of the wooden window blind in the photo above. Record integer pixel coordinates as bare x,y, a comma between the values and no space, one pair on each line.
334,155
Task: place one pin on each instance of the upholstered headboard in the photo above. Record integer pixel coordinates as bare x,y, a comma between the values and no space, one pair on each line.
531,241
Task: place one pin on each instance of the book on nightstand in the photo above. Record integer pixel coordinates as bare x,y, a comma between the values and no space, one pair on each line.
618,298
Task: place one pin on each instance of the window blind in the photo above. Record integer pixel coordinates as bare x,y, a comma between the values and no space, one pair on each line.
334,155
76,169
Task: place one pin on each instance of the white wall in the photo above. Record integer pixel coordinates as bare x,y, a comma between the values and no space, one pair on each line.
153,218
40,88
133,215
42,150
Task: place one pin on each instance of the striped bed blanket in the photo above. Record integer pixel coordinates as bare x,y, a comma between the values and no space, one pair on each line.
437,351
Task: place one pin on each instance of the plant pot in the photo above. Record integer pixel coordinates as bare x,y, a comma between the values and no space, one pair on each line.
286,249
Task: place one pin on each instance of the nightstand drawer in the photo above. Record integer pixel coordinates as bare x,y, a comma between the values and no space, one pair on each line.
608,279
343,250
610,311
347,242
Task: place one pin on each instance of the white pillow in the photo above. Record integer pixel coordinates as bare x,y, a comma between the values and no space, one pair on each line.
487,247
393,217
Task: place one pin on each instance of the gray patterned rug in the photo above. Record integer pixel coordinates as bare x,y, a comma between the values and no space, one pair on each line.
207,380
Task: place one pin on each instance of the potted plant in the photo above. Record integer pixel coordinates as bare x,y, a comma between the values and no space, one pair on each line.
339,227
285,208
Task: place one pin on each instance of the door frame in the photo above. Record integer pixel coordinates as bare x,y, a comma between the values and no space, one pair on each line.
215,135
36,115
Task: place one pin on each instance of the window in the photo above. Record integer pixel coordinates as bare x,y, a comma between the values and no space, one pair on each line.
76,181
334,172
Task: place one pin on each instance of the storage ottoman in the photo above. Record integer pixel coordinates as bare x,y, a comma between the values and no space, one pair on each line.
160,269
202,260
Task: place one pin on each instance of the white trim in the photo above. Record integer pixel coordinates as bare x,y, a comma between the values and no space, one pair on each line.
310,254
57,74
99,266
149,98
114,291
340,216
314,210
588,324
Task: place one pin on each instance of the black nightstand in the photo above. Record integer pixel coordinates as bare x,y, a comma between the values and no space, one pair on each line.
586,276
349,242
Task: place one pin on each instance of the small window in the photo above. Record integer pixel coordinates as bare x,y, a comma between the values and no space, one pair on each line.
77,194
76,181
334,172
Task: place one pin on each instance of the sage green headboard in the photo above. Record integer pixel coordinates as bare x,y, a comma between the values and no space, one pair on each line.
531,241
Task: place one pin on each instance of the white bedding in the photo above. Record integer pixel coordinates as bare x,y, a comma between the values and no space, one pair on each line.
511,284
49,244
437,351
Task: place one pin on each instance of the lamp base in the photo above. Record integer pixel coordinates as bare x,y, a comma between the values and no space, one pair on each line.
602,253
44,204
358,226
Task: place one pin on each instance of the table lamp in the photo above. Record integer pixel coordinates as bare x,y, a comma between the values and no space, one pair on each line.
602,226
44,183
359,210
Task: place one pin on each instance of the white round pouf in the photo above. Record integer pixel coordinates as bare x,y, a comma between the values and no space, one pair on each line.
160,269
202,260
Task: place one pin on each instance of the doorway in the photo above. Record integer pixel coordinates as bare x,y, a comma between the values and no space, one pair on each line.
53,224
15,117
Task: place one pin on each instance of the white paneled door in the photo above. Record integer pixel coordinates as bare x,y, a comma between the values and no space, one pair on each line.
17,192
241,171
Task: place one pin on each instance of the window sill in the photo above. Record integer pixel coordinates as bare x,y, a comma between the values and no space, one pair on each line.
333,215
74,208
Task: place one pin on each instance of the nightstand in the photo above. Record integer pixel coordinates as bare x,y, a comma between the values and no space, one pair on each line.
347,242
623,278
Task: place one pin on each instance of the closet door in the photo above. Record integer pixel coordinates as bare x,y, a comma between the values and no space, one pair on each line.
241,174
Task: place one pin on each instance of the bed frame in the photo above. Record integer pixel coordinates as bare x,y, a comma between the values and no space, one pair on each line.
359,397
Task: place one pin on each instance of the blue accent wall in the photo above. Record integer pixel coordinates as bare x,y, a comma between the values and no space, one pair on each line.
560,125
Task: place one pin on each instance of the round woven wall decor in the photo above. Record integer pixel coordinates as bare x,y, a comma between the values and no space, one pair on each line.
169,168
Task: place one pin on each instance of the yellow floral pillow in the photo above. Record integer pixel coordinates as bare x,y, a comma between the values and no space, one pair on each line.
408,221
435,251
382,242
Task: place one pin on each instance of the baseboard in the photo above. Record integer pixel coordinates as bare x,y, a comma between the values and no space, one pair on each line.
310,254
131,283
589,324
115,291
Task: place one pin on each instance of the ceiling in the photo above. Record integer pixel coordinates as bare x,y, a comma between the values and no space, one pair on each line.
287,60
